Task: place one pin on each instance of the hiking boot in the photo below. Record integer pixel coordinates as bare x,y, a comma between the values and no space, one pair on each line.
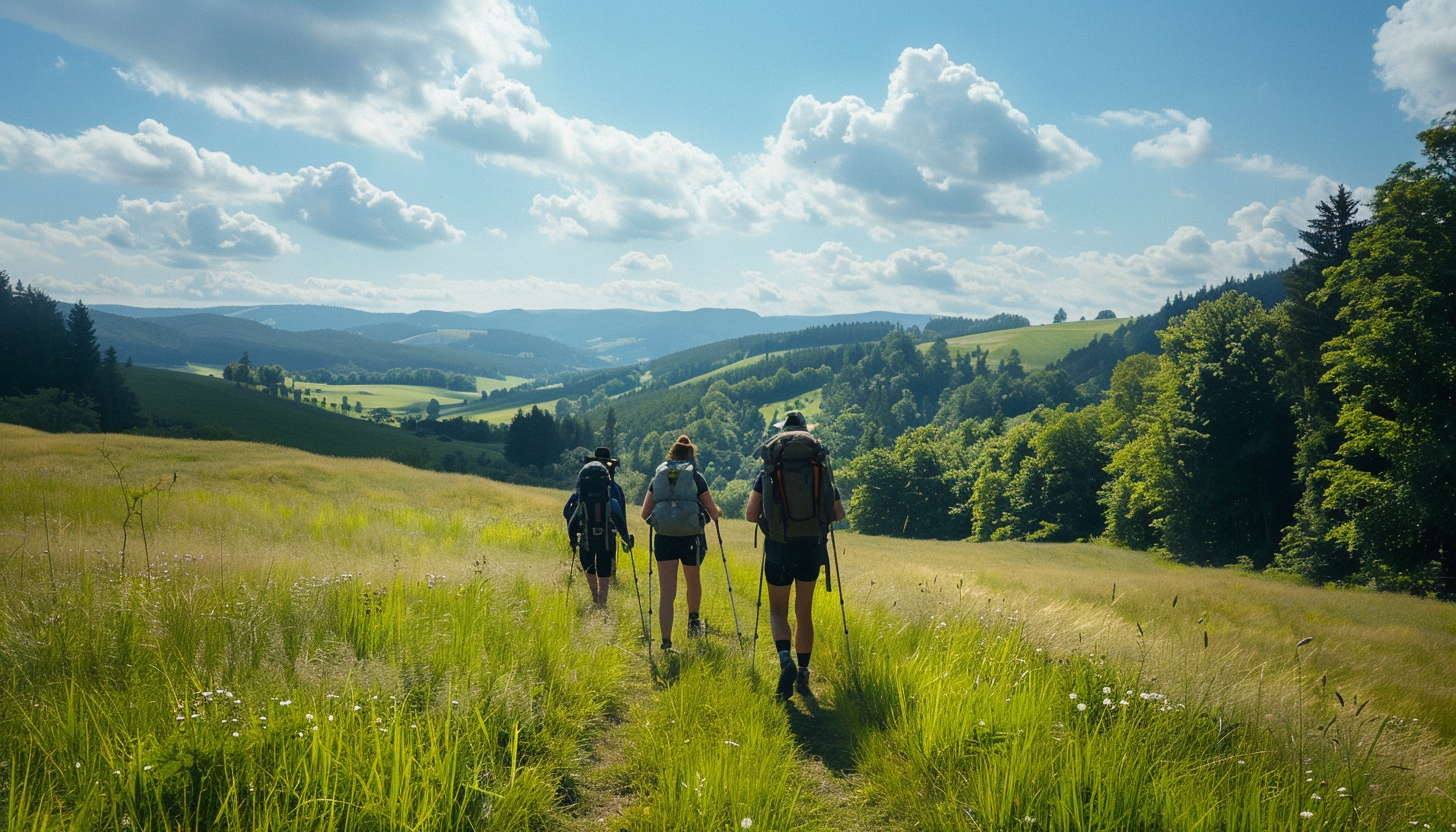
666,644
788,674
696,627
801,684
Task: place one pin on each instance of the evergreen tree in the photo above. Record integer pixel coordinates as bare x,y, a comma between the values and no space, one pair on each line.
1306,322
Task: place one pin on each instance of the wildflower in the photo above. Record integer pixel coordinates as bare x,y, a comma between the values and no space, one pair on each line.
308,717
1306,815
235,733
1315,797
285,703
1081,706
746,823
1107,690
732,743
146,768
1107,702
1072,696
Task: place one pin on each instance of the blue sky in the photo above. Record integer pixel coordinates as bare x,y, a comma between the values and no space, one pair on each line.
960,158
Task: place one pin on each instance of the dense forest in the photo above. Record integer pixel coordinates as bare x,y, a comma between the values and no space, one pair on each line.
53,374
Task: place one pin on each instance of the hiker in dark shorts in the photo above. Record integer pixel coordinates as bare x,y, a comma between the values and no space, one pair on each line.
793,563
670,545
594,533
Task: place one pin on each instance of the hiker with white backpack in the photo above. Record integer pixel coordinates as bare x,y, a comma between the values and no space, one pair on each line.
794,502
678,506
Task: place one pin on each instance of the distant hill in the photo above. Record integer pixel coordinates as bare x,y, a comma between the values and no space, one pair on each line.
1095,361
209,338
614,336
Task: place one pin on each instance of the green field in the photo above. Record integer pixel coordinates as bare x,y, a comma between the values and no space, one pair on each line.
202,401
227,635
1038,345
401,399
808,402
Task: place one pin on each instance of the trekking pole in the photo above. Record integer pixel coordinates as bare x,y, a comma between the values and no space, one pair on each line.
638,587
843,616
651,558
733,603
763,563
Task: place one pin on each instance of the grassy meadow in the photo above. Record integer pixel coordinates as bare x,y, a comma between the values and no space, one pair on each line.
1038,346
224,635
402,399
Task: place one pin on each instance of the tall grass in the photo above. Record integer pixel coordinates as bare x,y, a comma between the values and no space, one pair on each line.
312,643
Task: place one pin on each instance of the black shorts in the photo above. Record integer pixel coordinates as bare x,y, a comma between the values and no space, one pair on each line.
692,551
797,560
603,566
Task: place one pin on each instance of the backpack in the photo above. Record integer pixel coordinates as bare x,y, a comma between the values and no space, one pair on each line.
676,511
798,487
594,508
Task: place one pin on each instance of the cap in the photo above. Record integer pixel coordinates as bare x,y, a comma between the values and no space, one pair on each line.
602,453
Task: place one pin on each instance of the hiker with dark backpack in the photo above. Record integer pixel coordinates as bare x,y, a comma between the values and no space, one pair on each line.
677,507
793,501
595,521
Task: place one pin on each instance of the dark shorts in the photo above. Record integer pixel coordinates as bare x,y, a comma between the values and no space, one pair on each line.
692,551
797,560
603,566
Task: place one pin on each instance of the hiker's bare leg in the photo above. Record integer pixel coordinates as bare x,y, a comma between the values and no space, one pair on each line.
667,583
692,576
804,615
778,612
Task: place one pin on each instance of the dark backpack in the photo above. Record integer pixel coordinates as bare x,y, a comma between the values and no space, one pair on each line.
593,516
798,487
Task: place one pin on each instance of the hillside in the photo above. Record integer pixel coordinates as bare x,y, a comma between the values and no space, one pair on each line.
1037,346
212,407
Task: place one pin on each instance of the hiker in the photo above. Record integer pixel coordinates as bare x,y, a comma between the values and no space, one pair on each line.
793,501
678,506
595,520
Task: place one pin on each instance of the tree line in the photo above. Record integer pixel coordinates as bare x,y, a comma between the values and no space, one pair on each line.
53,373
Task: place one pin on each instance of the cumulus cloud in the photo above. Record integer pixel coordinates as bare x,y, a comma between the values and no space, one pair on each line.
636,261
1138,118
334,200
840,268
339,202
1180,147
170,234
351,71
151,157
1415,53
947,148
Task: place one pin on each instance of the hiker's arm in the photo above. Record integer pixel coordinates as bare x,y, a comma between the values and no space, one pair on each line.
753,509
839,510
707,500
647,503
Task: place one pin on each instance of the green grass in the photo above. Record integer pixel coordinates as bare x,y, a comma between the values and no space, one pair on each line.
403,399
1037,345
286,641
255,417
809,403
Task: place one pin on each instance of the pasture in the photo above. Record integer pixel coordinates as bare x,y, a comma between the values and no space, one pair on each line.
1038,346
226,635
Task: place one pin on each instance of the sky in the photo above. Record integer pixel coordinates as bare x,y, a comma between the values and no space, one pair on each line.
945,158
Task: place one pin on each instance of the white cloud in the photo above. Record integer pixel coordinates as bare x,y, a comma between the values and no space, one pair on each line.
353,71
1266,164
636,261
840,268
334,200
1415,53
1138,118
339,202
170,234
1180,147
150,157
946,149
227,286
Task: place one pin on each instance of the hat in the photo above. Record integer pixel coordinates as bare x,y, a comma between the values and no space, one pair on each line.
793,420
602,453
